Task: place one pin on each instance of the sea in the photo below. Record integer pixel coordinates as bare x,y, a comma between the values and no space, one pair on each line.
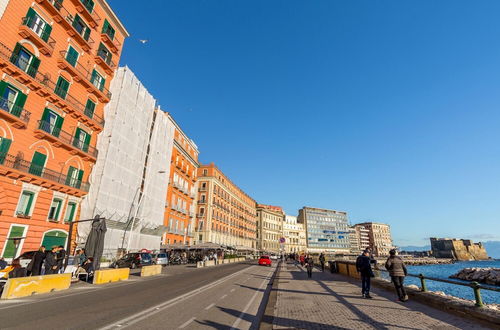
444,271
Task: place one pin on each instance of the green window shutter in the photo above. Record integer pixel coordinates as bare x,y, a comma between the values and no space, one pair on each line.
15,53
47,30
3,86
80,178
10,248
30,17
58,126
62,87
58,210
69,177
54,238
89,4
33,68
87,142
4,148
105,26
30,202
76,139
90,108
37,163
70,212
45,114
19,104
86,34
72,56
103,82
94,76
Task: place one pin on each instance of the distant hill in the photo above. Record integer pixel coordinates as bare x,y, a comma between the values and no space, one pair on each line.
493,249
415,248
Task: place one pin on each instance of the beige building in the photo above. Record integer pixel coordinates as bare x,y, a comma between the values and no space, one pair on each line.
379,235
294,234
362,237
225,214
270,221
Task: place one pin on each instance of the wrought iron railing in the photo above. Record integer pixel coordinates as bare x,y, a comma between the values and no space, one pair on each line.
14,110
35,25
66,137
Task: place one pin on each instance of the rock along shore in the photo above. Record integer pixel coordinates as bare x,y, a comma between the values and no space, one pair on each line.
483,275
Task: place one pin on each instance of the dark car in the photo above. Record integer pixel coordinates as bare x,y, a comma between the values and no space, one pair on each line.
133,260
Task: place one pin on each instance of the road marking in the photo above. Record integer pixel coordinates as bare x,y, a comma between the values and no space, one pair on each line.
137,317
250,302
224,296
209,306
187,323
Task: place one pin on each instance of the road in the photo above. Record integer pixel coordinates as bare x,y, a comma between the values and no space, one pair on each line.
223,297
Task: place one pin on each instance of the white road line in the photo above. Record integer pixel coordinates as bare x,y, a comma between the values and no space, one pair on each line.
224,296
209,306
137,317
187,323
250,302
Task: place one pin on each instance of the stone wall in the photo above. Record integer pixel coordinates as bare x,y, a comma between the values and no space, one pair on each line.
459,249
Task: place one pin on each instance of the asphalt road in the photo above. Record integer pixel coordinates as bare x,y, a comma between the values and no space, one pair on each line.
223,297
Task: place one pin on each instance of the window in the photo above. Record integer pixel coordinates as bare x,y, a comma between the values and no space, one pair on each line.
37,24
11,99
97,80
10,250
90,108
70,212
24,60
104,53
55,209
205,172
108,30
37,163
62,87
4,148
81,140
51,122
81,27
89,4
74,177
72,56
25,202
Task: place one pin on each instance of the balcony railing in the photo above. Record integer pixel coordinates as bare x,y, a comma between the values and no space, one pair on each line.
105,61
31,28
14,110
21,165
44,80
111,41
85,8
67,138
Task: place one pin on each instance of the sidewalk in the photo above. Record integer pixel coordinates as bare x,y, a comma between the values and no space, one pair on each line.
329,301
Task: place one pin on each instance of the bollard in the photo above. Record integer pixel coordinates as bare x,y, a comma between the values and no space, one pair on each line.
477,294
422,281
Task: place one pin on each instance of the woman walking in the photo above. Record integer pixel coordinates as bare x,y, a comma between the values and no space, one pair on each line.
309,266
397,270
35,265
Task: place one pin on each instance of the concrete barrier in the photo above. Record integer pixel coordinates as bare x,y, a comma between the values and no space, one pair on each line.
27,286
151,270
209,263
200,264
111,275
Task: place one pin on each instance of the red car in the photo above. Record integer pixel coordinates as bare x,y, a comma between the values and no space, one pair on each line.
265,261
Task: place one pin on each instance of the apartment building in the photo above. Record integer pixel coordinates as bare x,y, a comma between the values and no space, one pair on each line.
361,236
57,59
326,230
270,220
294,234
130,178
180,205
226,214
379,235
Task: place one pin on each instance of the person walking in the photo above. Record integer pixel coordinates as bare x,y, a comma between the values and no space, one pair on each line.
322,261
397,270
309,265
35,266
51,261
363,266
61,254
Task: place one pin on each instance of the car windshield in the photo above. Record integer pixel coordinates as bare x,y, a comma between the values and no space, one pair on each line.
145,256
162,255
264,257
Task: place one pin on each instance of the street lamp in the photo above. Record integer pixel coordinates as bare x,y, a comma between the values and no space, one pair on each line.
16,241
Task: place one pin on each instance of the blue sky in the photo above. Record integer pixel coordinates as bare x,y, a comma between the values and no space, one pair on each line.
388,110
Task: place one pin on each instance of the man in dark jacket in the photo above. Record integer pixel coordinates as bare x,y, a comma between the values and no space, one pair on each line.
61,254
51,261
322,260
35,266
309,266
363,265
397,270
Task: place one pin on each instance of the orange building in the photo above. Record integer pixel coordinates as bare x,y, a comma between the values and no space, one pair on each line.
226,215
57,59
180,205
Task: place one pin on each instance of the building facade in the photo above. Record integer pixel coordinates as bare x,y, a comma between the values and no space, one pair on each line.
56,64
180,205
294,234
226,215
270,220
130,178
362,238
379,236
326,230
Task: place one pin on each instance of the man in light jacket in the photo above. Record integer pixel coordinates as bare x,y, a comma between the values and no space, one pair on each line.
397,270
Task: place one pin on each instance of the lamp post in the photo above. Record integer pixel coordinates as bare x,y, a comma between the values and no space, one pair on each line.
17,242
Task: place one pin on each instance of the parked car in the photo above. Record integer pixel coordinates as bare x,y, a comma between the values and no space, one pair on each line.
160,259
265,261
133,260
274,257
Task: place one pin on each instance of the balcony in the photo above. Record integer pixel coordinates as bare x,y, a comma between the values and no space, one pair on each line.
105,62
85,8
17,168
60,138
110,41
53,7
42,39
15,115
